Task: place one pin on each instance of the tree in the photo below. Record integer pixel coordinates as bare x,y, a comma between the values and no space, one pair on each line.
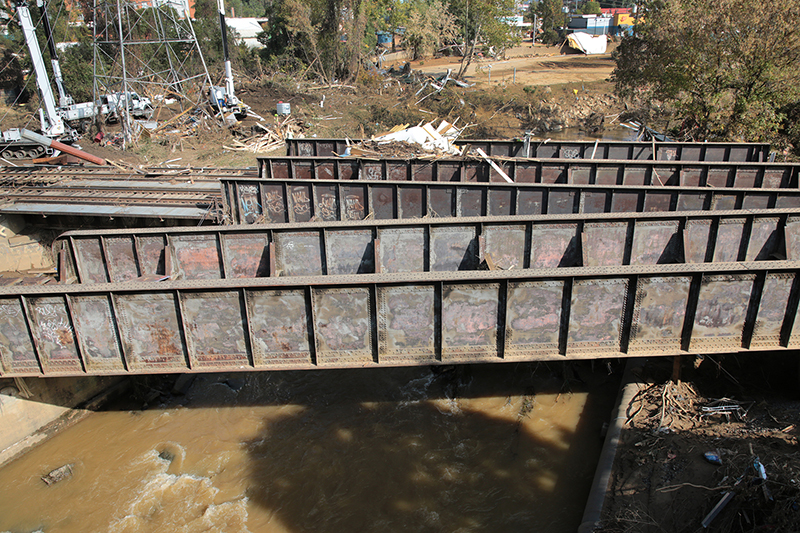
429,25
591,7
722,67
549,12
482,21
329,35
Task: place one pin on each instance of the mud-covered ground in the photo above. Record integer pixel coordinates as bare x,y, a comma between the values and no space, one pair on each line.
742,409
530,89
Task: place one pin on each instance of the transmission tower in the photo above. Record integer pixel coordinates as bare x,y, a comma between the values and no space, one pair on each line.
147,47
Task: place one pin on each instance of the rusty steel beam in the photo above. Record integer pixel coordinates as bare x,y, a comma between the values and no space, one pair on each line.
248,201
555,149
380,320
546,171
365,247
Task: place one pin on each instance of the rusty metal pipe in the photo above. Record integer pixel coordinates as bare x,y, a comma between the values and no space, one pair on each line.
67,149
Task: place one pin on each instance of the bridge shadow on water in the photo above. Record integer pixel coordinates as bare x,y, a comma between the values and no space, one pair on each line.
476,449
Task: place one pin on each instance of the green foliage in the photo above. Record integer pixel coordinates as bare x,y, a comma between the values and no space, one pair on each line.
76,65
549,12
722,68
590,7
429,24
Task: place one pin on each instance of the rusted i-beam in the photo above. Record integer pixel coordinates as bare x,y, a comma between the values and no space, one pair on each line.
248,201
378,320
556,149
364,247
547,171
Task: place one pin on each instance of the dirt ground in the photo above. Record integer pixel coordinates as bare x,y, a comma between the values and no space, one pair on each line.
527,64
742,409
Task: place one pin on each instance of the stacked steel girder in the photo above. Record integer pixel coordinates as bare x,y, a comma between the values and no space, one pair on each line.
550,149
367,273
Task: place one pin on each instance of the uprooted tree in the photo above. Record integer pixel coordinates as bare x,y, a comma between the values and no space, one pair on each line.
720,69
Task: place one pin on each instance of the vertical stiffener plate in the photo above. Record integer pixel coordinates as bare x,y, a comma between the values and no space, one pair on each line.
595,318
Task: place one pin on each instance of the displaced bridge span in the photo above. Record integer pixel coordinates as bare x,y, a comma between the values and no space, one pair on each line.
553,149
374,320
440,244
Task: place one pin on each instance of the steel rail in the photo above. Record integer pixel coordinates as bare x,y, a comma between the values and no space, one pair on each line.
379,320
249,200
181,199
432,245
43,174
547,171
555,149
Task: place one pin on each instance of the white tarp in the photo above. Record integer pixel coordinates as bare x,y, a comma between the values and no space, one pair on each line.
588,44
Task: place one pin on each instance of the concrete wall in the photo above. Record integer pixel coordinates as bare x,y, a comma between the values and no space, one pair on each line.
32,409
18,250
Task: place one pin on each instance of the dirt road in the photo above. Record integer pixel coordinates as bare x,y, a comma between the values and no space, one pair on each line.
527,65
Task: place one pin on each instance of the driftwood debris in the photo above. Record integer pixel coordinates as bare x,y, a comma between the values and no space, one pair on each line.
59,474
266,138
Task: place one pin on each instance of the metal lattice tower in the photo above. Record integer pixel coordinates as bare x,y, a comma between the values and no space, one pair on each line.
148,47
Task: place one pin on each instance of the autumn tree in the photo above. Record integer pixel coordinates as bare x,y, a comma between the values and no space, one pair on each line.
725,69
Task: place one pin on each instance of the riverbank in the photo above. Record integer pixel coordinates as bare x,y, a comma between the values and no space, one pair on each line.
686,444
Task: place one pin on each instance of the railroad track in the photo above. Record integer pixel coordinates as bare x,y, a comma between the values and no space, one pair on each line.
92,195
44,175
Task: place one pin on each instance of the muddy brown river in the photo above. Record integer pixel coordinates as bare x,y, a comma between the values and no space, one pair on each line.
493,448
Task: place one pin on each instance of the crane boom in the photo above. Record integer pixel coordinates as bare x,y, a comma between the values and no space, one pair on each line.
224,98
52,124
64,99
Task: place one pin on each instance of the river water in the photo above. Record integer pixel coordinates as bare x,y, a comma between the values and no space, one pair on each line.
492,448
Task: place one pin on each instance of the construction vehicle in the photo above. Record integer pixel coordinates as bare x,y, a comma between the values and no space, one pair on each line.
138,106
223,99
58,122
78,116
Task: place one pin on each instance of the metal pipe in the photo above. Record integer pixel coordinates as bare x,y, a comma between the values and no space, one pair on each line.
67,149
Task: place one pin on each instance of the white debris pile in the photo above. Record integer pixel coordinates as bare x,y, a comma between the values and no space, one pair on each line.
430,139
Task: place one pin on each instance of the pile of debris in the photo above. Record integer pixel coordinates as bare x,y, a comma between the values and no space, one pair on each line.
266,138
420,141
